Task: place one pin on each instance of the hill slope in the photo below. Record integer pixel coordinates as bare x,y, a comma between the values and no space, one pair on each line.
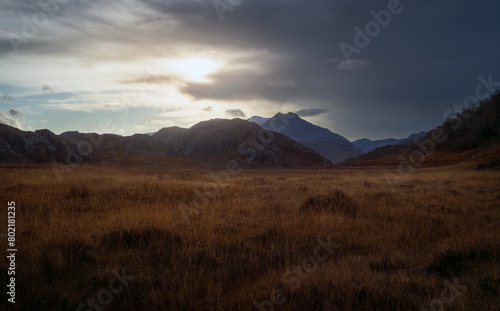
471,138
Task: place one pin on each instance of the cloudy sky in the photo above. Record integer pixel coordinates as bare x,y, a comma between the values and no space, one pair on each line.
373,69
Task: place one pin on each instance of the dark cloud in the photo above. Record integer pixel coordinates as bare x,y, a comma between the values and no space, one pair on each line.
207,109
426,59
311,112
151,79
47,89
5,119
401,82
236,113
231,85
16,114
6,97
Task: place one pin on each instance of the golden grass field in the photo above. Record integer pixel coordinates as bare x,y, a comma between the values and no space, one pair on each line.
431,244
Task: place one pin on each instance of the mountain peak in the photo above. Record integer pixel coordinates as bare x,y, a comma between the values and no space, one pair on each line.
288,114
293,126
257,119
332,146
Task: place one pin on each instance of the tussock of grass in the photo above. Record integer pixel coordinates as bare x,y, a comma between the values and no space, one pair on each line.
454,263
490,287
144,237
334,202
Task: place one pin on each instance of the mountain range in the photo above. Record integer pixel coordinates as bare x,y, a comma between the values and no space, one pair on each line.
367,145
296,142
332,146
285,140
209,143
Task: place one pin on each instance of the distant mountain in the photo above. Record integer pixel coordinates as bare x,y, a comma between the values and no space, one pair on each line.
214,142
259,120
334,147
470,138
367,145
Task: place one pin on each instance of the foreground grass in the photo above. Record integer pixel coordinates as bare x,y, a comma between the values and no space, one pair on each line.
432,242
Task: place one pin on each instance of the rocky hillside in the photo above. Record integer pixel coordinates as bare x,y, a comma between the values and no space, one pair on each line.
38,146
470,138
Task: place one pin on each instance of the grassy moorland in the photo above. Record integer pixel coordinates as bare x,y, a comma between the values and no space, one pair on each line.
337,239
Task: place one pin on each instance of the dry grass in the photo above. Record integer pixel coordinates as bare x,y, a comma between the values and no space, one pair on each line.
334,202
255,234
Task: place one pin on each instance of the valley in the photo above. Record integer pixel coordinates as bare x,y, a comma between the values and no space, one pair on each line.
254,241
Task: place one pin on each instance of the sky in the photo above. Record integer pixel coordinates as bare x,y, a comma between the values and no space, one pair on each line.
374,69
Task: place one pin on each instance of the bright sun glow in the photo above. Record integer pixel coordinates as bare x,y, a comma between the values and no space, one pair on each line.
196,69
